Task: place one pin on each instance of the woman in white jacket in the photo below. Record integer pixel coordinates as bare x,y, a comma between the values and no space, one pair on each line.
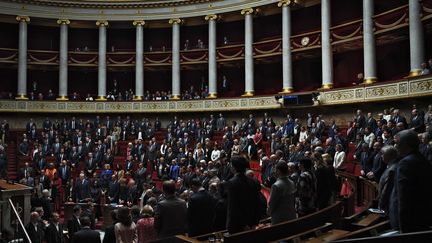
339,156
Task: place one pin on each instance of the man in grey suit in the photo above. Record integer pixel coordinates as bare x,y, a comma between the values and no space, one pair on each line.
171,213
281,206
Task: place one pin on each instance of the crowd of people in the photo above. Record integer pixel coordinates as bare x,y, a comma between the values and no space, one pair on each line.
116,94
207,183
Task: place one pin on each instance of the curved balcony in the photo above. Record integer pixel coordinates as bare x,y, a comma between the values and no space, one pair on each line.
347,36
396,90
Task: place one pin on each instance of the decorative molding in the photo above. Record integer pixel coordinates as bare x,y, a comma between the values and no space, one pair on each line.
247,11
378,92
20,18
125,10
205,105
102,23
285,3
63,21
175,21
212,17
138,23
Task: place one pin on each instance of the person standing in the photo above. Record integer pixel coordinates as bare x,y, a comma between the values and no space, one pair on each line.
281,206
35,228
411,197
109,236
243,198
74,224
125,230
54,231
145,225
201,210
171,213
86,234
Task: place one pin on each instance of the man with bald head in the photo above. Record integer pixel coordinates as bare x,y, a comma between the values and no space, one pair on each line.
34,228
412,194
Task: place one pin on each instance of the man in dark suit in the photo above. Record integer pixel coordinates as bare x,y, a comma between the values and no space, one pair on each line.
35,229
243,198
64,172
26,170
171,213
86,234
82,188
54,231
74,224
201,210
411,197
90,164
109,236
417,122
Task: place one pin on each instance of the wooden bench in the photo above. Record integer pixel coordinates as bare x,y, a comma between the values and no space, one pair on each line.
331,214
322,233
418,237
368,231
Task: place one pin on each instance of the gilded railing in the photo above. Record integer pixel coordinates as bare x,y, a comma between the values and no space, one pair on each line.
351,31
405,88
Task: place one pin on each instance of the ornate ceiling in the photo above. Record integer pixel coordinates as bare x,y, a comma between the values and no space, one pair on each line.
113,3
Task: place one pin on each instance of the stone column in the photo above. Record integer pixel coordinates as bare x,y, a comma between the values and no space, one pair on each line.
249,61
326,49
212,66
416,38
139,63
370,75
102,60
63,59
22,57
175,62
287,78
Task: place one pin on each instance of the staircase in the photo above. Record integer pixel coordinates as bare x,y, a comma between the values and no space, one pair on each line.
12,161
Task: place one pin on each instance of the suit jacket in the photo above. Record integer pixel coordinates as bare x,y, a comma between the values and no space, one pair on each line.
86,235
281,206
109,236
170,217
82,189
243,202
54,236
92,165
64,173
201,213
412,195
73,226
417,123
35,236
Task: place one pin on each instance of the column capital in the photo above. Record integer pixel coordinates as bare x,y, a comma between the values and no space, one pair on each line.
248,11
286,3
63,21
140,22
101,23
175,21
20,18
212,17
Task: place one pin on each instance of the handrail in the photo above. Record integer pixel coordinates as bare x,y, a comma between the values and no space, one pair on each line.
19,220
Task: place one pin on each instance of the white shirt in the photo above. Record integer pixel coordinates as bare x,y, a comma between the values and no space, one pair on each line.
302,136
338,159
215,155
369,139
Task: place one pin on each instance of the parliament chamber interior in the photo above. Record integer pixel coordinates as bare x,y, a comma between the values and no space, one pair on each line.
131,121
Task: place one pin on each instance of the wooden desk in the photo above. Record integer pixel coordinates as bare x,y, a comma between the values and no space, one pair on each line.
328,236
368,220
